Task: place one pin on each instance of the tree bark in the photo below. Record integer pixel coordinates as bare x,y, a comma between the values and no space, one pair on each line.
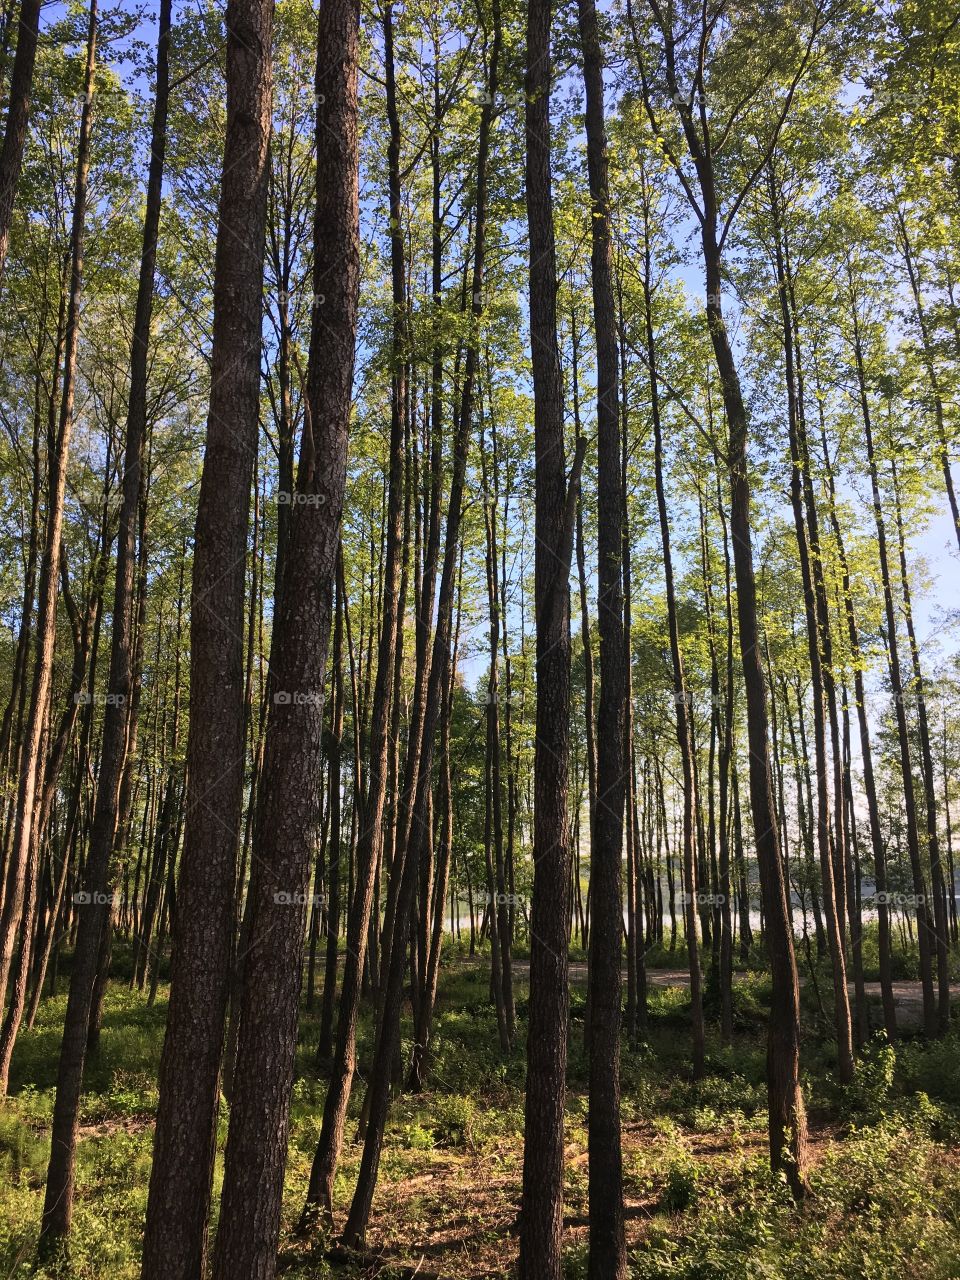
938,889
289,817
175,1236
683,701
370,843
827,839
58,1202
541,1218
18,117
608,1256
925,930
878,845
432,680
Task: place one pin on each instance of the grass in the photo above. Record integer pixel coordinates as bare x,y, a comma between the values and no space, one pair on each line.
701,1201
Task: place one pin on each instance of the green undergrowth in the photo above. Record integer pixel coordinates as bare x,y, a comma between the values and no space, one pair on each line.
702,1204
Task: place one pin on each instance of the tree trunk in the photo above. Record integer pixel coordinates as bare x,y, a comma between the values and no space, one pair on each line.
787,1117
58,1202
682,698
334,847
925,931
413,801
866,756
541,1218
608,1255
18,116
938,889
827,840
289,816
174,1245
933,377
370,843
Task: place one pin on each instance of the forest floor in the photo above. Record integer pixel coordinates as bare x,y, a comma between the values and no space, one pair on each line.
701,1203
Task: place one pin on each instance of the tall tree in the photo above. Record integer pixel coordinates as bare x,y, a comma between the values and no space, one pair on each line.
60,428
95,924
608,1254
829,838
58,1201
682,697
926,937
541,1215
18,117
289,814
432,682
175,1235
686,112
371,836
